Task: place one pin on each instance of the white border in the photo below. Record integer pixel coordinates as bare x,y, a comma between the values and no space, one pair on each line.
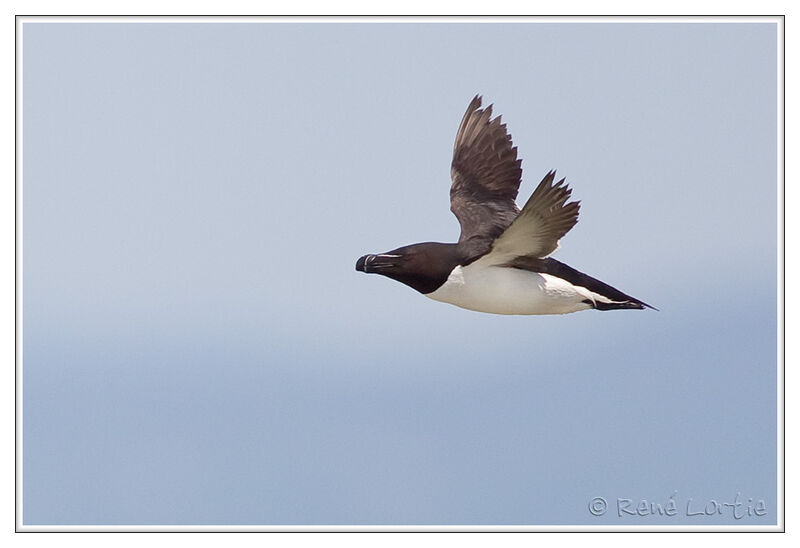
416,19
780,227
19,24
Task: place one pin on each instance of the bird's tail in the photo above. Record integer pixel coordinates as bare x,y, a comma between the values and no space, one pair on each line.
619,305
601,296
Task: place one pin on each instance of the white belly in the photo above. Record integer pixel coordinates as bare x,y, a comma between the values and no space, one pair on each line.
503,290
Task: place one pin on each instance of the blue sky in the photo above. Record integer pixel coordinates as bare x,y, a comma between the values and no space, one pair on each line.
198,348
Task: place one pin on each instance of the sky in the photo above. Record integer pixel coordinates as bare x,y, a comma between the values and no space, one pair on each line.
198,348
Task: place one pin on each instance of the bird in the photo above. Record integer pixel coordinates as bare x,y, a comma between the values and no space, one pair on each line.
501,263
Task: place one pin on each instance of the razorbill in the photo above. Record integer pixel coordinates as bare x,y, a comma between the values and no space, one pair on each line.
500,264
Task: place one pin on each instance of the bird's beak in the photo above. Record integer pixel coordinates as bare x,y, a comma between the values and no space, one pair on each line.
377,263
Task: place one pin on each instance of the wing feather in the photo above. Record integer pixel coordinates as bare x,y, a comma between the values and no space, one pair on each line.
485,176
544,220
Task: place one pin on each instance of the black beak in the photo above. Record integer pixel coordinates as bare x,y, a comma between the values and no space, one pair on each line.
376,263
361,264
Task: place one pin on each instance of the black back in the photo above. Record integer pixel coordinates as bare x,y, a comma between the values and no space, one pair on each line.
575,277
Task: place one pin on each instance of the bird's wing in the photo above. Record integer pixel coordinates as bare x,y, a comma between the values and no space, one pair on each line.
486,175
543,221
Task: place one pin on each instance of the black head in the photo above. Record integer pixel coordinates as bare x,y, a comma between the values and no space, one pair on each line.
424,267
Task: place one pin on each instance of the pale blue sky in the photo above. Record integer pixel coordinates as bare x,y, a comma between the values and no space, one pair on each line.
198,348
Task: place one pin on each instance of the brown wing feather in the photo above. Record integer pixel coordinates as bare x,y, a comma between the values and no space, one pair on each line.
486,174
544,220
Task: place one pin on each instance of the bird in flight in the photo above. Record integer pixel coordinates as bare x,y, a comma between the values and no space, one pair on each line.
501,262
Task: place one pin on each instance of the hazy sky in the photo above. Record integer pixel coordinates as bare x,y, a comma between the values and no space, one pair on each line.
198,348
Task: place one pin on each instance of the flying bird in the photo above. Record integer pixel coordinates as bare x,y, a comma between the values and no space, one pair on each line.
501,262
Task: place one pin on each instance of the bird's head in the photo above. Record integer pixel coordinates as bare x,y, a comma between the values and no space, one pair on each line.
424,267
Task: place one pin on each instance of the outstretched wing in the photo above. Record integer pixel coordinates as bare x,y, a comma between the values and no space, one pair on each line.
486,175
543,221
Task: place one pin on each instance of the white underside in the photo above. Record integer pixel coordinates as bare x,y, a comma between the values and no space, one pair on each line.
504,290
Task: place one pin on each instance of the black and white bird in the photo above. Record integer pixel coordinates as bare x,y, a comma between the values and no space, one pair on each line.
500,264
